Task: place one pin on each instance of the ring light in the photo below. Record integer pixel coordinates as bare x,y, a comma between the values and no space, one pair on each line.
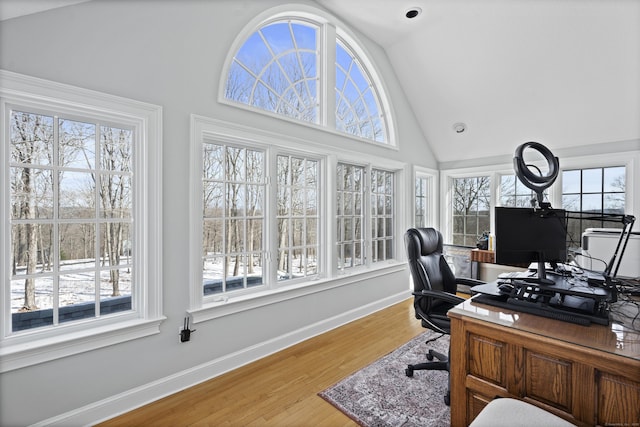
540,182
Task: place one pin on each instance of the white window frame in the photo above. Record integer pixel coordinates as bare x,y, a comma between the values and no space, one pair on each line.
318,217
430,213
631,161
39,345
330,29
202,309
394,214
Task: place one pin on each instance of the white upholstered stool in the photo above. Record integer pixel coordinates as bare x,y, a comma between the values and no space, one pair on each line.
507,412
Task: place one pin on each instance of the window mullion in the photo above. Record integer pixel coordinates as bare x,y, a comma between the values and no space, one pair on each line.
55,177
327,51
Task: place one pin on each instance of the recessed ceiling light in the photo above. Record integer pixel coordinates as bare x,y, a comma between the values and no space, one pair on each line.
459,127
413,12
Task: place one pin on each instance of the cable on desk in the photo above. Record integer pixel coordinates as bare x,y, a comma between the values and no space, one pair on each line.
627,312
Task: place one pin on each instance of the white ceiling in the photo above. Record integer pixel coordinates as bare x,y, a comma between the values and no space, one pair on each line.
564,73
14,8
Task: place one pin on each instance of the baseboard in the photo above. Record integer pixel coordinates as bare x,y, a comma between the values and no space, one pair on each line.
140,396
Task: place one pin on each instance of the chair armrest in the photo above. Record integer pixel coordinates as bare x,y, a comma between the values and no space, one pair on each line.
468,281
444,296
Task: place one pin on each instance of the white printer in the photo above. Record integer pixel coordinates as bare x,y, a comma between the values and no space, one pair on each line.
600,244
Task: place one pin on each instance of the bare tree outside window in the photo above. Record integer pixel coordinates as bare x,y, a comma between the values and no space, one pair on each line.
471,204
71,212
350,215
277,69
233,180
358,110
382,191
298,195
595,191
514,193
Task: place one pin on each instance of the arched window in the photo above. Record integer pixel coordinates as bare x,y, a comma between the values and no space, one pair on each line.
357,103
278,68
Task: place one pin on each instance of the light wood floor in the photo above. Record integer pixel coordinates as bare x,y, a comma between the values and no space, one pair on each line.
282,389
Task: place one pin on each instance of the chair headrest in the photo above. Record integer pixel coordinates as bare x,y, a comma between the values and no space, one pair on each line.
430,240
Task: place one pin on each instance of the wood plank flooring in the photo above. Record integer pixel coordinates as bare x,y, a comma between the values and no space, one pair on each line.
281,389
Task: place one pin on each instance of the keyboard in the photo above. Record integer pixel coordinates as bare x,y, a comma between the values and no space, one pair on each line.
544,311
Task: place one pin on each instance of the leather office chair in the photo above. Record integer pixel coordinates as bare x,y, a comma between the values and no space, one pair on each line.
434,288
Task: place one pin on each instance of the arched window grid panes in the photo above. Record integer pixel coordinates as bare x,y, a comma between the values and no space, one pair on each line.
358,110
276,70
294,79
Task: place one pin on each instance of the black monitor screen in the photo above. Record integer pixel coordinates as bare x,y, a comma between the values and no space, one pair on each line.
525,235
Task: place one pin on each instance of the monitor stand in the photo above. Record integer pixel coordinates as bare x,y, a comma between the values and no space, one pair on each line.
541,276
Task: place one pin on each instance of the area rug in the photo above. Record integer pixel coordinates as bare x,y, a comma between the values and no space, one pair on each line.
381,395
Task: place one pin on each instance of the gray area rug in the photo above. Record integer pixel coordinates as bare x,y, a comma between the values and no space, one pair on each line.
382,395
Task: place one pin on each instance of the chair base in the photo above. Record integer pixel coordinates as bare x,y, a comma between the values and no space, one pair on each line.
442,364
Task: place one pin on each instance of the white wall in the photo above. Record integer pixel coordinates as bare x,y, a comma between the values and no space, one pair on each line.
171,53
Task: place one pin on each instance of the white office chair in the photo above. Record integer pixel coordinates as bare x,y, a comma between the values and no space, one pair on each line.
507,412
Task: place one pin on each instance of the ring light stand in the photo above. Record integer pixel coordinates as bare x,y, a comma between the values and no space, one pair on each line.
536,182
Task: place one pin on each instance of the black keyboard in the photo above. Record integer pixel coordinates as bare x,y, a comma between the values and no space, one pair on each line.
541,310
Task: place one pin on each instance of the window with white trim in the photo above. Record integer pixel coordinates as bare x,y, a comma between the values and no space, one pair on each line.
279,68
71,185
358,110
382,191
350,215
298,216
303,237
586,184
81,174
595,190
514,193
471,204
424,200
233,182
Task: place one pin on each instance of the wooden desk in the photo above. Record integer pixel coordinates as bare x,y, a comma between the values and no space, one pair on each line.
589,375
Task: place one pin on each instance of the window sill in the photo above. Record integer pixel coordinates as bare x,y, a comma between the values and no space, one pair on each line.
22,354
246,302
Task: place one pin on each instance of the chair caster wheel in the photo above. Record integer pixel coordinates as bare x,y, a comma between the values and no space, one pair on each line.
409,371
429,356
447,399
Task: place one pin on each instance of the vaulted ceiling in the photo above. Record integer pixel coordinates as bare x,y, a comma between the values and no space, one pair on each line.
565,73
562,72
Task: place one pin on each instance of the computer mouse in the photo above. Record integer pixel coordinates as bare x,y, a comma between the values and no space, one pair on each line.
505,288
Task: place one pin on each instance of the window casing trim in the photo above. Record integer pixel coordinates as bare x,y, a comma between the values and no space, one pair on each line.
431,177
227,306
43,344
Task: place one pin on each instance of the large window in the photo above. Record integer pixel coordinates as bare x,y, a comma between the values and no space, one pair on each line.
471,202
80,232
382,191
280,68
358,109
350,180
596,191
276,70
298,216
514,193
273,214
586,184
233,181
424,199
71,187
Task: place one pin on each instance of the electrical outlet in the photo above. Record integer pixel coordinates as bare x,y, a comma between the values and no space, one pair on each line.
184,333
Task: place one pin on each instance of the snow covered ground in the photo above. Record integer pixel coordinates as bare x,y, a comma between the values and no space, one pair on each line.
76,284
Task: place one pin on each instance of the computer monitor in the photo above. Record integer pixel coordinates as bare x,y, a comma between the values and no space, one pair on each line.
527,235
